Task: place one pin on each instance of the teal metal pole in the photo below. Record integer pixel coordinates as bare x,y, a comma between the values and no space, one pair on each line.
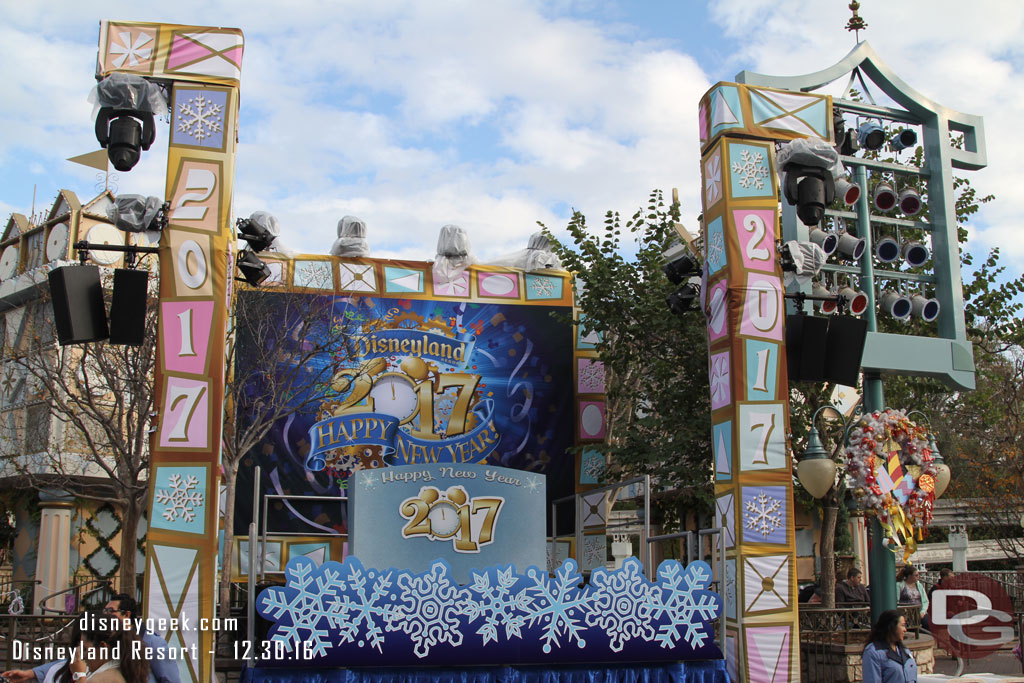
881,562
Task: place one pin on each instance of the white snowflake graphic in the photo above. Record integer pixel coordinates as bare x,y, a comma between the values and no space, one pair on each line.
181,500
621,604
132,52
560,606
752,170
716,250
720,380
429,613
594,467
594,551
497,602
306,610
371,611
713,179
591,377
682,596
542,287
370,480
763,514
533,485
199,118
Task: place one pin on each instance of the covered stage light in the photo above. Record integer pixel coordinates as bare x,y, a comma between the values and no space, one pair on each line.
847,191
253,269
903,139
924,308
887,250
884,197
870,135
851,248
910,201
854,301
828,241
137,213
914,254
259,230
682,300
895,304
125,123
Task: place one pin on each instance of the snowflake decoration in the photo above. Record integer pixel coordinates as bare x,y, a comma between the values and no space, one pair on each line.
560,605
306,609
533,485
720,380
181,500
542,287
682,596
594,551
716,250
199,118
429,614
369,481
456,287
752,170
594,467
356,607
621,604
591,377
713,179
132,52
763,514
491,595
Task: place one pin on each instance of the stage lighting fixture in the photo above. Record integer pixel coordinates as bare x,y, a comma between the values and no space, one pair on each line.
851,248
253,269
910,201
903,139
887,250
846,139
682,300
853,301
811,189
924,308
870,135
137,213
895,304
828,241
125,123
681,268
827,307
847,191
259,230
884,197
914,254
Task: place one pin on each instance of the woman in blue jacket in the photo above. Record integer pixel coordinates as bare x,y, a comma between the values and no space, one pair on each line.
886,660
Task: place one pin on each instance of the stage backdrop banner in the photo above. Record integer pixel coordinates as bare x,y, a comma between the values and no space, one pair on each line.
418,382
472,516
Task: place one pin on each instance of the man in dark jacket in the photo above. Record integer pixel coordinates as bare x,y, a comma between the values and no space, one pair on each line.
852,590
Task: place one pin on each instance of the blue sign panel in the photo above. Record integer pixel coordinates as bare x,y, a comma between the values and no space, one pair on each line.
469,515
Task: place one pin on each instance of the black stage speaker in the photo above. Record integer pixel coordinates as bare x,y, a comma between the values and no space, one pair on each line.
844,349
806,336
78,311
128,307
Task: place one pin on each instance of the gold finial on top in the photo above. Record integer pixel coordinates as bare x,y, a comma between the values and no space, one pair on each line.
856,23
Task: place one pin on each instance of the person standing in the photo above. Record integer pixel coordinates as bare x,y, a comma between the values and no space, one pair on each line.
852,590
886,659
909,590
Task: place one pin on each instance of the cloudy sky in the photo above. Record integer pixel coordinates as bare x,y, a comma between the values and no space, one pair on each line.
492,115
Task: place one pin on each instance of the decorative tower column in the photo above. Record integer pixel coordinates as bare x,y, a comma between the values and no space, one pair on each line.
52,560
203,66
749,387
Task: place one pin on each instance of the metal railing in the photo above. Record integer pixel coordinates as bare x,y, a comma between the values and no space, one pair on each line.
831,637
89,593
32,629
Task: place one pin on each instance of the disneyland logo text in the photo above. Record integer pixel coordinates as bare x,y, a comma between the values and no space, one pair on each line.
411,343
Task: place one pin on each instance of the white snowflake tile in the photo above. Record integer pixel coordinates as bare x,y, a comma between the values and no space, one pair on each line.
590,376
179,499
749,171
543,287
764,514
594,553
199,117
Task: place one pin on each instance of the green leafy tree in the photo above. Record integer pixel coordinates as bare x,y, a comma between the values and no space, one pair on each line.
659,414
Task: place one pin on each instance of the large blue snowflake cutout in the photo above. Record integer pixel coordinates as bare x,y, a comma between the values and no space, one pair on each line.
344,614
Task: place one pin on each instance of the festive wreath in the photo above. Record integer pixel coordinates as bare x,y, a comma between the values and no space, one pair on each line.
893,473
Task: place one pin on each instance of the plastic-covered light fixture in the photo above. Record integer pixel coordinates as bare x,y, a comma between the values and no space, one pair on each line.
884,197
259,230
125,122
870,135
